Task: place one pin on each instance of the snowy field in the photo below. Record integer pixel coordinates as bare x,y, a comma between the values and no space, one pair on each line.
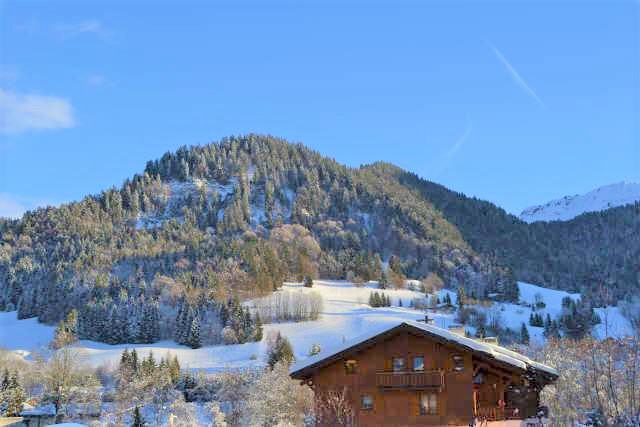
345,315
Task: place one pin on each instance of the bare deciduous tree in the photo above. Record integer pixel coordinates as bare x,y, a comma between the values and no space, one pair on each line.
67,378
334,408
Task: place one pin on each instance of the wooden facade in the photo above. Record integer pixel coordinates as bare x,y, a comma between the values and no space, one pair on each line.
407,376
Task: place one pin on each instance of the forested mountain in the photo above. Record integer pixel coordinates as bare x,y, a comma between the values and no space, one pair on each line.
597,253
208,225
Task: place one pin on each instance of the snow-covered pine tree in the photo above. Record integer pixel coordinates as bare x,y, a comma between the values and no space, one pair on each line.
4,396
174,369
279,350
66,332
257,328
12,395
135,322
460,297
384,281
194,340
148,365
149,327
135,363
524,334
178,329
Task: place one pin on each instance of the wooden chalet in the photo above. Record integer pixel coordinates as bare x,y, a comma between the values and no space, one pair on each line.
416,374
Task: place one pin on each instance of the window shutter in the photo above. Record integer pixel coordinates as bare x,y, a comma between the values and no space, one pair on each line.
387,364
415,404
378,402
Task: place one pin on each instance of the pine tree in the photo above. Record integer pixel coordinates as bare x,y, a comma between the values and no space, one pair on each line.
460,297
138,421
174,369
148,365
15,398
147,327
280,350
524,334
4,392
447,299
5,380
194,334
374,299
257,328
125,364
384,281
66,332
134,362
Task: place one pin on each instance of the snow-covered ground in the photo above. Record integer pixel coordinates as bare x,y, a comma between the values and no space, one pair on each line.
23,336
569,207
345,315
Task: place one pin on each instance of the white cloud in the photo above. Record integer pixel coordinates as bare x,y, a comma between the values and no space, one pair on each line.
26,112
14,206
88,26
515,75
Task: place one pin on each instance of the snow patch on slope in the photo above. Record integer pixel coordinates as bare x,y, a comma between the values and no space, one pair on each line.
23,336
345,315
174,193
569,207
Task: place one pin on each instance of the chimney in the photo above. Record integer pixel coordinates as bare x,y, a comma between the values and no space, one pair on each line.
457,329
428,320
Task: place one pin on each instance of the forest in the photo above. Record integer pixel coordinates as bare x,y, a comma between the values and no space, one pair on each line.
176,249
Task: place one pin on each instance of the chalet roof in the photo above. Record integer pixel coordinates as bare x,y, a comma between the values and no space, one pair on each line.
490,351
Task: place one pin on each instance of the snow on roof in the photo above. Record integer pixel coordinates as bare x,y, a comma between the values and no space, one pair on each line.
499,353
45,410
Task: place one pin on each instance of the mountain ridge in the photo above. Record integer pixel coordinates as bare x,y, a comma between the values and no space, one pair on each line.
238,217
568,207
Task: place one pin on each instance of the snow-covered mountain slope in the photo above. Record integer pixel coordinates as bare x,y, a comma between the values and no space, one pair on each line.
568,207
345,315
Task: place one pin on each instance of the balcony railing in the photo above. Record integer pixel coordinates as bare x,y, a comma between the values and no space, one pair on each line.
411,379
488,413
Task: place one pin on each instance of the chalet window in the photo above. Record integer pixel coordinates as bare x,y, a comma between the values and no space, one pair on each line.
397,364
428,404
458,362
418,363
351,366
367,402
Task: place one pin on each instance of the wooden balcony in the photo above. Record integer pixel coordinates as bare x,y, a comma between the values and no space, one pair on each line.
497,414
418,380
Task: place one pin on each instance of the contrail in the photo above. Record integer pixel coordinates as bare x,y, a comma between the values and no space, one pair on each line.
446,158
515,75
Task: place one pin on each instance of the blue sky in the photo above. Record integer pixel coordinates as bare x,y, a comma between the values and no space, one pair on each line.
513,102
